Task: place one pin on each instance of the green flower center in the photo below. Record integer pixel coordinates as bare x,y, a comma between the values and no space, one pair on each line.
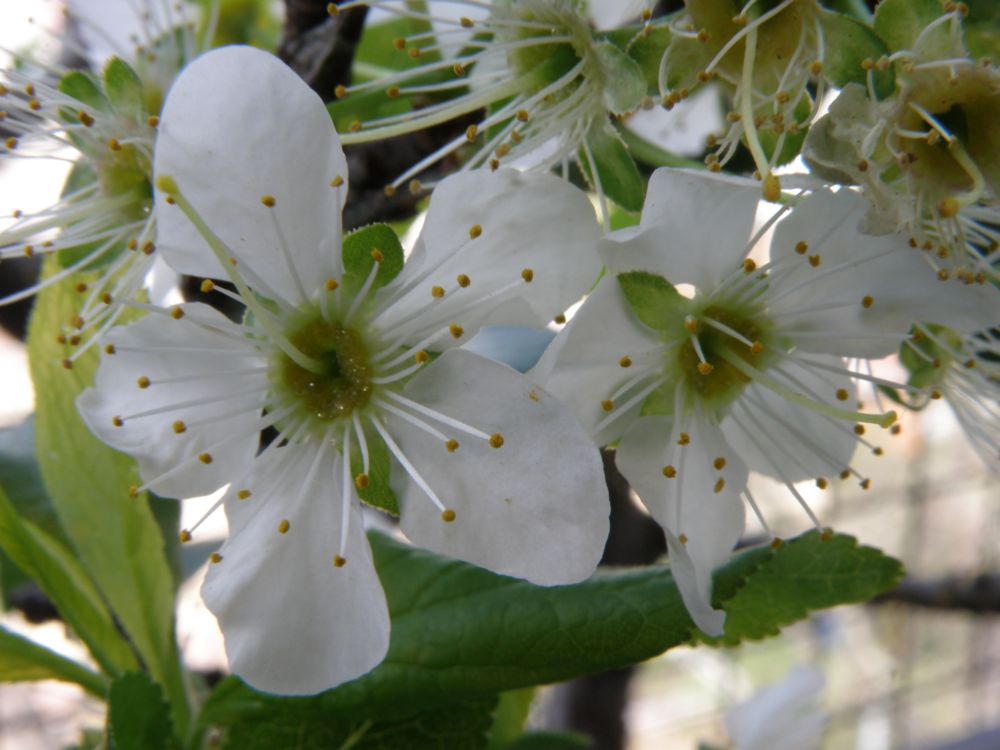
340,384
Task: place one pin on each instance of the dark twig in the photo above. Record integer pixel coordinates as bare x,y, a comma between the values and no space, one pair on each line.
979,594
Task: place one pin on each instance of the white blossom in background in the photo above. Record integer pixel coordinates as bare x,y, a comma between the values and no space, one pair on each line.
358,377
782,716
748,374
104,124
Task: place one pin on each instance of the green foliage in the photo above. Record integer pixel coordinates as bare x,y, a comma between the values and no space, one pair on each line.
123,89
509,717
982,29
57,572
550,741
116,536
359,251
616,171
653,299
646,49
378,493
138,716
849,44
23,660
459,631
624,83
900,22
83,88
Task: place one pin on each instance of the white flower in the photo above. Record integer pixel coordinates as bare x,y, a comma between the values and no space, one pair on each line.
486,466
105,125
747,373
535,66
782,716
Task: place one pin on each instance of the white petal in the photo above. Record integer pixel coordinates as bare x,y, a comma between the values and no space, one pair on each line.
582,366
535,508
695,228
519,348
701,502
789,442
238,125
217,386
528,221
904,289
293,622
782,716
607,14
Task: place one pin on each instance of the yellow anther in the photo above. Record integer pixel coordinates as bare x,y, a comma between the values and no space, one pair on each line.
471,132
842,394
153,121
826,535
399,43
559,319
771,189
822,483
437,292
133,492
528,275
456,331
331,285
448,516
669,472
361,481
704,36
749,266
862,165
85,119
719,463
80,288
463,280
816,67
77,322
895,429
110,349
205,458
458,69
284,526
607,404
207,286
522,115
421,357
451,445
11,143
177,313
625,362
117,421
502,150
74,339
845,474
935,395
866,484
114,144
268,200
719,485
683,539
133,245
859,429
184,536
867,301
355,127
705,368
948,207
684,439
148,248
392,92
332,9
466,22
474,231
215,557
29,251
243,494
496,440
179,427
61,339
943,274
338,561
877,450
777,542
814,261
337,181
142,382
413,52
494,165
377,255
690,324
801,247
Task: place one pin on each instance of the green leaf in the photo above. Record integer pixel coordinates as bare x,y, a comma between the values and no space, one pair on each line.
279,724
624,83
848,43
378,493
550,741
653,299
83,88
123,88
645,46
138,716
900,22
116,537
460,631
807,573
619,177
359,251
23,660
57,572
982,29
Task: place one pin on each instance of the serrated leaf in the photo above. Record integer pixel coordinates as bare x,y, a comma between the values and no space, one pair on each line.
116,537
57,572
619,177
807,573
847,43
378,493
23,660
123,88
461,631
360,247
624,83
653,299
138,715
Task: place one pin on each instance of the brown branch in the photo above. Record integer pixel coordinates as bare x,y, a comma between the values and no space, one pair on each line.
318,46
979,594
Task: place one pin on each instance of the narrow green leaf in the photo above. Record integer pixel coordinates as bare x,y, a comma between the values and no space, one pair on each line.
461,631
83,88
58,573
23,660
138,716
619,177
359,252
848,43
653,299
116,536
123,88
